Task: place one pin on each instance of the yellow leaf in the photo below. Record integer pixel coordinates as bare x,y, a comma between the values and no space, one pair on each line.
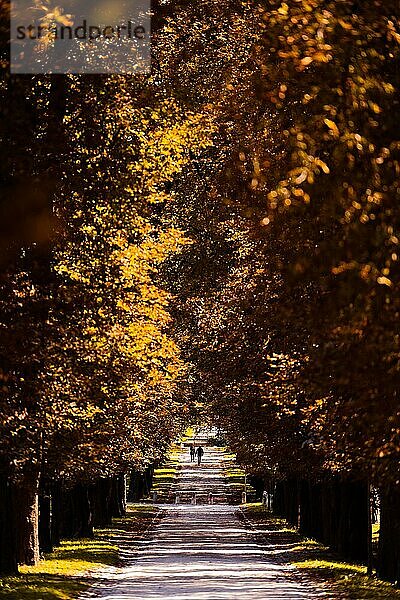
384,281
320,57
332,126
302,177
283,9
345,25
307,60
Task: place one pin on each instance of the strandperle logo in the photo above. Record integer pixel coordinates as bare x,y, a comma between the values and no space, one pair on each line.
81,32
80,37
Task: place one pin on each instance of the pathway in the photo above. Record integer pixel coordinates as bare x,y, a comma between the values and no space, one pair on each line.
194,482
203,552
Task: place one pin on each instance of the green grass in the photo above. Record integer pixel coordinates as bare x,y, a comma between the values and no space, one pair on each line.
318,561
42,587
349,578
164,472
165,476
67,572
63,574
235,478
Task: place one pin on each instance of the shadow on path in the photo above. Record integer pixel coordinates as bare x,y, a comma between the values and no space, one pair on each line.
204,552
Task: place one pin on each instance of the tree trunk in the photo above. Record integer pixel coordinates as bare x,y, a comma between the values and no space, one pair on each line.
27,502
136,486
101,493
77,513
389,536
311,514
148,479
118,494
329,511
353,523
278,503
334,512
305,509
316,503
291,508
56,512
8,549
270,492
45,537
369,516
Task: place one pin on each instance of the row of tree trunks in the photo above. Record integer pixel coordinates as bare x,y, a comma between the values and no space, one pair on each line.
311,509
140,484
77,518
109,500
286,500
35,515
333,511
88,506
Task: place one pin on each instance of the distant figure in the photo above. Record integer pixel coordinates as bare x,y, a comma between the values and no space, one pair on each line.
199,453
192,453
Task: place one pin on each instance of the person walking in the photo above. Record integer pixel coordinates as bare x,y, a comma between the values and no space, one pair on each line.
199,453
192,453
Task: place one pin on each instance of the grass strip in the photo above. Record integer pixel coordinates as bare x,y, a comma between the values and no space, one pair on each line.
321,564
68,571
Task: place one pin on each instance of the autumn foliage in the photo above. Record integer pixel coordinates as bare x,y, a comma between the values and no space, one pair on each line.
218,240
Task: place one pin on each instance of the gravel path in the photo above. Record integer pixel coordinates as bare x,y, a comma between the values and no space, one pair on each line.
203,552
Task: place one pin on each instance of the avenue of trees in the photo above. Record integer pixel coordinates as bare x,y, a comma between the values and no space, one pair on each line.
219,237
89,369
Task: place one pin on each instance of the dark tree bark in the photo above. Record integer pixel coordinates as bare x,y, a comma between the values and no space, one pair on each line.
305,526
335,512
370,562
77,513
118,495
140,484
278,503
101,493
316,510
8,548
148,479
329,511
45,510
388,567
27,513
56,512
258,483
291,500
286,500
353,522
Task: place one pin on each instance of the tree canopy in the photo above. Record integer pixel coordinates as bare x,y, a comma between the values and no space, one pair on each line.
217,240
